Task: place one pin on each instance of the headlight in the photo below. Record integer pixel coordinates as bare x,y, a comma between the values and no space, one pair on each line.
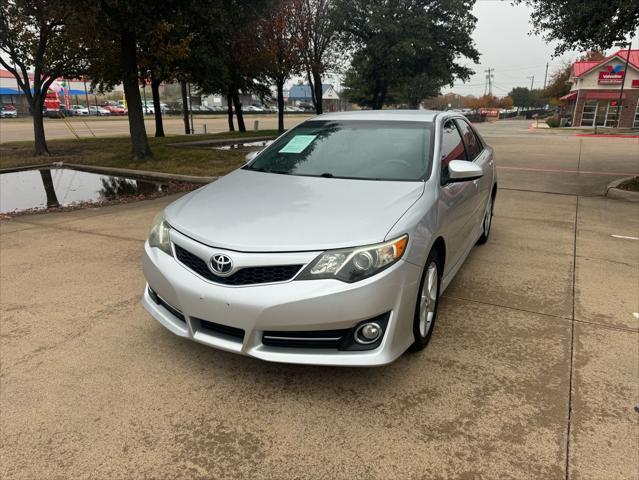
159,236
353,264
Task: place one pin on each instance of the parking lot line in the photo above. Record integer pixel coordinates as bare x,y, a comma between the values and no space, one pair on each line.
559,170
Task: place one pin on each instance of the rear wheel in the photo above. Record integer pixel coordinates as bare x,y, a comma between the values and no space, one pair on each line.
427,302
488,220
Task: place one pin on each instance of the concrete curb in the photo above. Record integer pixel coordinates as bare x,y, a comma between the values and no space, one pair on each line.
118,172
221,142
617,193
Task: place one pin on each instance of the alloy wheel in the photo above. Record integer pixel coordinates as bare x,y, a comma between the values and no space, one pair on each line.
428,300
489,216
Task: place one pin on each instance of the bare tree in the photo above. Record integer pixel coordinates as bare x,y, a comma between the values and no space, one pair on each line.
278,50
317,34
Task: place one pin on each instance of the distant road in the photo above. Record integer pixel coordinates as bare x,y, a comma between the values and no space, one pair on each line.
21,129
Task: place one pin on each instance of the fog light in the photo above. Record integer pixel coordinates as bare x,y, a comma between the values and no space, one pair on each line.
368,333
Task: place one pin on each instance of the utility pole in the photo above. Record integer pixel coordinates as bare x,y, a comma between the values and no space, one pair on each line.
546,76
623,79
532,81
489,78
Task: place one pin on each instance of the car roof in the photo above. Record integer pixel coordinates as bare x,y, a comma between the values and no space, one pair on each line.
392,115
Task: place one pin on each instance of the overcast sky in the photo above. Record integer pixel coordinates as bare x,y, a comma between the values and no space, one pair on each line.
502,38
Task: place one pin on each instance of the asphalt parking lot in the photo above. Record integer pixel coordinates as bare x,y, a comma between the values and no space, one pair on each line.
532,373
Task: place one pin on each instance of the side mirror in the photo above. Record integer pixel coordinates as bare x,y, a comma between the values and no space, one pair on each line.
463,171
251,155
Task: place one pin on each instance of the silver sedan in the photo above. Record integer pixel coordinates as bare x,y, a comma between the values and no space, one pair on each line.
331,246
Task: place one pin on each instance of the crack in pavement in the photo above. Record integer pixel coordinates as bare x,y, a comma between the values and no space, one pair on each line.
75,334
55,227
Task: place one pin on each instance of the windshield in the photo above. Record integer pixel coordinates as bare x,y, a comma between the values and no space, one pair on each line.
372,150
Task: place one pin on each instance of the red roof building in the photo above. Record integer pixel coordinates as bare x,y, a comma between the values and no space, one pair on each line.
594,97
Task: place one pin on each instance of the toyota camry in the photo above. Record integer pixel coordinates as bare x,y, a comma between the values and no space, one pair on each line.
332,245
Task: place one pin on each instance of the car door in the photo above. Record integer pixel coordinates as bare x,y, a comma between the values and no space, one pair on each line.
457,200
478,153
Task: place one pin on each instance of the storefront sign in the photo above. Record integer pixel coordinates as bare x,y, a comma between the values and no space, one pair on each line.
612,75
635,83
489,112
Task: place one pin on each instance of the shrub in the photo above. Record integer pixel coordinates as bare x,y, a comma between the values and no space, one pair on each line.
552,122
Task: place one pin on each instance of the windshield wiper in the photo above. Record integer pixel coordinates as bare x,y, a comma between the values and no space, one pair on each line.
259,169
327,175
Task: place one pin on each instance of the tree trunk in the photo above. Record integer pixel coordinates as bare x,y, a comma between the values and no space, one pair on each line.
238,111
379,95
38,126
157,109
229,111
139,142
280,105
47,181
185,108
317,84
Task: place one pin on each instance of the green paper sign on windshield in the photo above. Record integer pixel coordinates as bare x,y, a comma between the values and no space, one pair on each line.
298,144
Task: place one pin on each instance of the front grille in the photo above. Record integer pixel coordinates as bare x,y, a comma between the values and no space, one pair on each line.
216,328
304,339
157,299
244,276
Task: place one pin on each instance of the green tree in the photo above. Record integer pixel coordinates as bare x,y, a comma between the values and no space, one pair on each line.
163,51
584,24
223,46
407,50
523,97
40,41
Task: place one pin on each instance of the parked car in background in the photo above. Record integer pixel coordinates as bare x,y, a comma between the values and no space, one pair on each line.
99,111
8,111
387,206
78,110
113,108
252,108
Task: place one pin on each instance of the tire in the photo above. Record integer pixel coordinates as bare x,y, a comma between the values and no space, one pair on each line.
487,222
426,313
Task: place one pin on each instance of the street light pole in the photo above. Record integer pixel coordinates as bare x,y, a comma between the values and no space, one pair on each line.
623,79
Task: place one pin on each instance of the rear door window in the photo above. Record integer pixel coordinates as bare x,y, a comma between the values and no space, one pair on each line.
473,145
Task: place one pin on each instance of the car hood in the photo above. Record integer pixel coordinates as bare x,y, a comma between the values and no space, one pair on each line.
264,212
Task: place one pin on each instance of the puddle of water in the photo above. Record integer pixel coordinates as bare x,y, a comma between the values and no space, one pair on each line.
248,146
34,189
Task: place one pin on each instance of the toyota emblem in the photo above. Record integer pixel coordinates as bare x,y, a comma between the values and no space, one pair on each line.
221,264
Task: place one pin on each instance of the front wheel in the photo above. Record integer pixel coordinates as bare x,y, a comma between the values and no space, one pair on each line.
427,302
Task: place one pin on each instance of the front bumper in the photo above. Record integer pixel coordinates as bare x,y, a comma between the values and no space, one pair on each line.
288,306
